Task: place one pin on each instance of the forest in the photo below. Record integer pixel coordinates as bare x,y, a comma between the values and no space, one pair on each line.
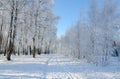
28,27
30,47
95,38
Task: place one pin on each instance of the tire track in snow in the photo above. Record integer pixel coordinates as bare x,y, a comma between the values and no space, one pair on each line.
66,68
46,67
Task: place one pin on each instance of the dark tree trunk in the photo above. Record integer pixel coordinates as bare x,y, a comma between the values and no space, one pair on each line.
9,52
10,48
34,52
13,25
39,51
30,50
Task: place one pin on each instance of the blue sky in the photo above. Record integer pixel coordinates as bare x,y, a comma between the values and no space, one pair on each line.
69,12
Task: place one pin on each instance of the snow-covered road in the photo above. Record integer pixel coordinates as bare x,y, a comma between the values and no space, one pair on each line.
54,67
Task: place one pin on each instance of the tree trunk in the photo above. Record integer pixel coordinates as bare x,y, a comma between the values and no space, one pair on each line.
30,50
9,55
9,52
34,48
34,52
10,48
13,24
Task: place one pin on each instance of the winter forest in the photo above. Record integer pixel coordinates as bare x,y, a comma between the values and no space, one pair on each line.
27,26
29,41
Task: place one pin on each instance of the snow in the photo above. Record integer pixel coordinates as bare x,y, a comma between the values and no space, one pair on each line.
54,66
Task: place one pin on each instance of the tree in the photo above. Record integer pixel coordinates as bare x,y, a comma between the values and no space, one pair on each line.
13,7
28,24
93,39
103,22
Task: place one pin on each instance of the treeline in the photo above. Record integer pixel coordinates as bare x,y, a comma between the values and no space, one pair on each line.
27,27
94,38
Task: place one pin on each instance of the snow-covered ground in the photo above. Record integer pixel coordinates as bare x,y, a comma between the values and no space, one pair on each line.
54,66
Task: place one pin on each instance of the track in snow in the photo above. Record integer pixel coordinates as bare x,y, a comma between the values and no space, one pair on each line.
53,67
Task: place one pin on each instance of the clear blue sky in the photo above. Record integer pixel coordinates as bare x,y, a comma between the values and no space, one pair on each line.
69,12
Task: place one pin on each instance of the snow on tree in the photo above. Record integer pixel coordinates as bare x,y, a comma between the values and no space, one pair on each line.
30,26
94,39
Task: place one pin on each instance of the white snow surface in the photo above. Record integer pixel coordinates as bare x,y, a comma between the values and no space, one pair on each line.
54,66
